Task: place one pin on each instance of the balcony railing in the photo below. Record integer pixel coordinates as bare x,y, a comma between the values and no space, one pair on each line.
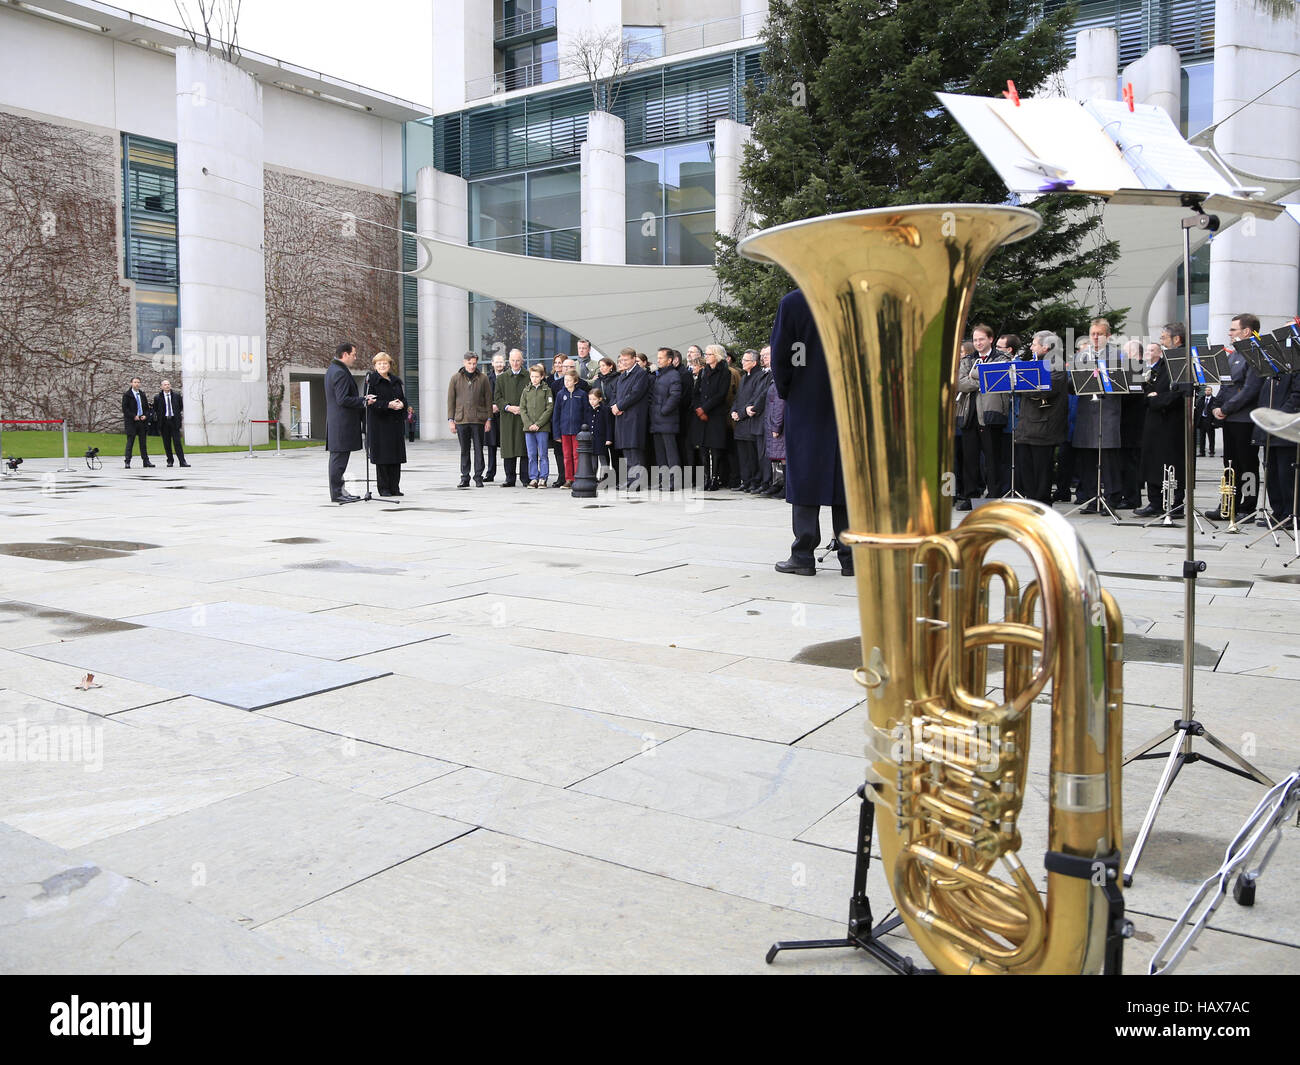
523,24
640,46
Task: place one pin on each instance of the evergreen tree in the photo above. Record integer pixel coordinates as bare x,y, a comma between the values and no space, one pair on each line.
847,119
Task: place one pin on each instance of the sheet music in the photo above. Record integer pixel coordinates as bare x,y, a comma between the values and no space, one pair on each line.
1152,145
1061,131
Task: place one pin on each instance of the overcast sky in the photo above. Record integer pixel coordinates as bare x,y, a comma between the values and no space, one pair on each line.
381,44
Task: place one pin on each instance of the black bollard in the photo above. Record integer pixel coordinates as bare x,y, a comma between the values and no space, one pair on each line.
584,485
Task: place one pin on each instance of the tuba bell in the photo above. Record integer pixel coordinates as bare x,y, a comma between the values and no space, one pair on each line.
890,290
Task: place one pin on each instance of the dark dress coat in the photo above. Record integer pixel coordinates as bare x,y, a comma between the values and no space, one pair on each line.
1242,395
600,424
608,385
1278,393
1090,411
686,414
344,408
387,427
509,387
1163,432
711,388
1044,416
774,423
751,393
814,475
129,409
178,408
666,410
634,402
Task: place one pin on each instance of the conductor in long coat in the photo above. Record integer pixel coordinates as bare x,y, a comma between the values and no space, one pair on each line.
631,411
344,409
1097,421
506,394
814,476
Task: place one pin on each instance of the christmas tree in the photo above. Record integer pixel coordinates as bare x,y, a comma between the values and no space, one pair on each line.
847,119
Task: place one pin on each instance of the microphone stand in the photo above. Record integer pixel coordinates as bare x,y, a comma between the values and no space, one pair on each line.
367,497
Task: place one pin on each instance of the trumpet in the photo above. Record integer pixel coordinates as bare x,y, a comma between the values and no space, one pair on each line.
1169,492
890,290
1228,498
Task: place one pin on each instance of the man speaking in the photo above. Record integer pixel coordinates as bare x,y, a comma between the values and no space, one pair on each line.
344,408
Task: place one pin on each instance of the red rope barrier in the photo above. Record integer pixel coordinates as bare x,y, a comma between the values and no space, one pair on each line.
32,421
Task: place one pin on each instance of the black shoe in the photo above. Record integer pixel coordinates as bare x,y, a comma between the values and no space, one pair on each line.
1200,454
169,465
397,493
490,477
507,484
792,565
186,465
1146,512
464,483
963,504
385,494
128,464
1091,508
345,497
148,465
478,483
1213,514
846,568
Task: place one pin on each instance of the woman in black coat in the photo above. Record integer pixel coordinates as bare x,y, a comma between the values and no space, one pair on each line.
387,424
708,429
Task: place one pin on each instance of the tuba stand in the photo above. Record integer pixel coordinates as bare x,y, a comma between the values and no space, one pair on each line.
862,933
1186,728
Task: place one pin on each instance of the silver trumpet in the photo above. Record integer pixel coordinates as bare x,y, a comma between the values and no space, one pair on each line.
1168,488
1273,811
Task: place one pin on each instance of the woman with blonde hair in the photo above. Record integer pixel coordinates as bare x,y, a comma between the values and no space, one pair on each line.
386,435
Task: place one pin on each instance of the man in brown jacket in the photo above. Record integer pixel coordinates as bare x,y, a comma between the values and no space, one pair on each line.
469,413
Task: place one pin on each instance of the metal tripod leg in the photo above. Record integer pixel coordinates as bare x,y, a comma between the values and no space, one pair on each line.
1247,770
1172,765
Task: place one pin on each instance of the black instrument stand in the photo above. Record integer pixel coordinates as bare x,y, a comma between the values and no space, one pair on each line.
1186,728
1271,527
862,933
1096,393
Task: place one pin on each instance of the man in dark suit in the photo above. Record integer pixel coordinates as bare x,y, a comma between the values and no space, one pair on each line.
814,475
135,415
631,416
169,406
344,407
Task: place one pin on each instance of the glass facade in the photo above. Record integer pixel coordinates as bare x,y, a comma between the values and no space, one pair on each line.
670,205
149,220
520,160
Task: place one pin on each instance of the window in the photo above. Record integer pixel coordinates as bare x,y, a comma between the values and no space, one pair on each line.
149,218
670,205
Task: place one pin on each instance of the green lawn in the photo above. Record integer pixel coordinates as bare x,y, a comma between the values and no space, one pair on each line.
48,444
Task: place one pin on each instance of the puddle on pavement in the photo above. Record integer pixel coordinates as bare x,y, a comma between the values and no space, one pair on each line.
1282,578
74,549
1172,578
331,565
107,545
296,540
68,625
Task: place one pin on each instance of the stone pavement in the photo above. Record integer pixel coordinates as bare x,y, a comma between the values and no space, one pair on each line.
489,731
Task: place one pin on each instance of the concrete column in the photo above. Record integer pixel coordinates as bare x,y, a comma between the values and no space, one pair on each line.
604,190
222,340
729,140
1157,79
463,35
1091,74
1255,265
441,212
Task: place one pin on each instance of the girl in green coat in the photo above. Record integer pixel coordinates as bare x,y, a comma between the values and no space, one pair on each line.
535,407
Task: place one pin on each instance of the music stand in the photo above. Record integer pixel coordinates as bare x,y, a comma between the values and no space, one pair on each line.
1186,727
1100,383
1265,361
1013,377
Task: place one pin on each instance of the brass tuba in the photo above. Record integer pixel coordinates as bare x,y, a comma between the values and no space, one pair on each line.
890,290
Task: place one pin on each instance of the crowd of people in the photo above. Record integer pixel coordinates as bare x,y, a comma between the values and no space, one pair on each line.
694,420
705,420
1102,451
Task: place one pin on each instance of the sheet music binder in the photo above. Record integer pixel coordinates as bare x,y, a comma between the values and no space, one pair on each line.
1100,148
1210,365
